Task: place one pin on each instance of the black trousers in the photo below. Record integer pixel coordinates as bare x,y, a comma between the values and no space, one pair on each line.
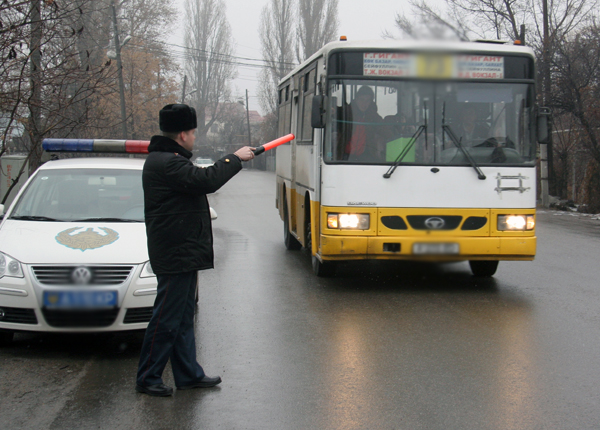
170,333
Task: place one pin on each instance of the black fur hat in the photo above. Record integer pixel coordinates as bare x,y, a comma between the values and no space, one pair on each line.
177,117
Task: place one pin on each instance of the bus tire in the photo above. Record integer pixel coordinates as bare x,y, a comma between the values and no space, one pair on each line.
6,338
323,269
483,268
291,243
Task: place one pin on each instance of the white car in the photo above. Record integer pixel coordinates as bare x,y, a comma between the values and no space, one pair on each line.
73,253
203,162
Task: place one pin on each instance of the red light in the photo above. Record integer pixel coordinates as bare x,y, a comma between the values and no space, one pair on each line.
137,146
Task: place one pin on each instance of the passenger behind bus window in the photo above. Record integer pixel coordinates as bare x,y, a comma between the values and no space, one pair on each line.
362,141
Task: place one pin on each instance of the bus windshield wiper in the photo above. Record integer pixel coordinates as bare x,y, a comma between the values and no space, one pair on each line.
446,129
422,128
468,156
34,218
106,220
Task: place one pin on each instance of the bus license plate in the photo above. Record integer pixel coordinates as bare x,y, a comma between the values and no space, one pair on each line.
80,299
429,248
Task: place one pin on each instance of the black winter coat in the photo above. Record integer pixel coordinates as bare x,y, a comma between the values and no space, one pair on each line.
178,224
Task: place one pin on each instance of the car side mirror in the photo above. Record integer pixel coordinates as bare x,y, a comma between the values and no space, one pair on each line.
317,118
213,214
543,125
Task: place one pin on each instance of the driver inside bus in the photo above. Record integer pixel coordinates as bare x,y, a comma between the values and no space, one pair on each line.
363,141
470,131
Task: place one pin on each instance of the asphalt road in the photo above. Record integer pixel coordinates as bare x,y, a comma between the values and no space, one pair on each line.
380,346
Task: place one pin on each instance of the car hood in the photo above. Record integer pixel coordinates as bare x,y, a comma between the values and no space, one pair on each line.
33,242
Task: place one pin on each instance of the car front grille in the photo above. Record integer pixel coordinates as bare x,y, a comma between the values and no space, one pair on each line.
63,275
17,315
138,315
80,318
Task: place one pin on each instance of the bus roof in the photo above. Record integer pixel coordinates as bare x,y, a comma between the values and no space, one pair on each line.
491,47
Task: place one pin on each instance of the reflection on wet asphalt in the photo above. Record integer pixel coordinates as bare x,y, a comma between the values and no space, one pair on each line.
380,346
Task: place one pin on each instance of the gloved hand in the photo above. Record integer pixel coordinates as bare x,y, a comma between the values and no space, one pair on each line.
245,153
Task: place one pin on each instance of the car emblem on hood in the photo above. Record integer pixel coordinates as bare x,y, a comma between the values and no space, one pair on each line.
435,223
81,276
88,239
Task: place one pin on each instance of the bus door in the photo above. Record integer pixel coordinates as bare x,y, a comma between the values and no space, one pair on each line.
293,201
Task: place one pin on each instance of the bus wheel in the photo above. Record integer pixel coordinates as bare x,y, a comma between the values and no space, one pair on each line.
485,268
289,240
6,338
323,269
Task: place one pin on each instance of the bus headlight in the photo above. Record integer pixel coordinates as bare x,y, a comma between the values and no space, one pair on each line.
516,222
10,267
348,221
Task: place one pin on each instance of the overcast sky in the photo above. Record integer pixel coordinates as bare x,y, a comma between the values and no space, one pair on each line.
359,20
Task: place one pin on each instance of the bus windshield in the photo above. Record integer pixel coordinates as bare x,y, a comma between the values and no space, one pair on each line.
422,122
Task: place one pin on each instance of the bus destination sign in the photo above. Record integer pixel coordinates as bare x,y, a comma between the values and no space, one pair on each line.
433,66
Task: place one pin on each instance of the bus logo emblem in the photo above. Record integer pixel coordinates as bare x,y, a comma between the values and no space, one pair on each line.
434,223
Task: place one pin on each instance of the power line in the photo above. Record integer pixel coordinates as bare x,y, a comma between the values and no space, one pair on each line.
187,55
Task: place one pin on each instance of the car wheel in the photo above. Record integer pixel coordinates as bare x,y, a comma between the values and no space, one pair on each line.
484,268
6,338
289,240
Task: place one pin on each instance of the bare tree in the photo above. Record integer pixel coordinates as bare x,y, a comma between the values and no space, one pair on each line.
55,77
317,25
577,71
277,49
427,22
494,19
209,63
45,75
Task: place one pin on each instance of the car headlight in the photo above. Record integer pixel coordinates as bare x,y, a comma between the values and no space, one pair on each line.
348,221
147,271
516,222
10,267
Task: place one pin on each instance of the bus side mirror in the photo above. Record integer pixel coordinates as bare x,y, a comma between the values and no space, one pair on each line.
543,125
317,118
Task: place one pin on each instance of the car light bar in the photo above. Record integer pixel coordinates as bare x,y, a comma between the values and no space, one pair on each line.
96,145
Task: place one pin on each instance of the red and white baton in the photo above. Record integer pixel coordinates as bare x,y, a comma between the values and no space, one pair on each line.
274,143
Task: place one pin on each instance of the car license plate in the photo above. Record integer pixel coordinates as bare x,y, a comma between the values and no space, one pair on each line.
429,248
80,299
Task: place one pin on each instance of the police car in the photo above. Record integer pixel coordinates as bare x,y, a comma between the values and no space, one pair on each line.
73,253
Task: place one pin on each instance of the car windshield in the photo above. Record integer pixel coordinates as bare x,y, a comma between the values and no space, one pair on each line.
375,121
83,195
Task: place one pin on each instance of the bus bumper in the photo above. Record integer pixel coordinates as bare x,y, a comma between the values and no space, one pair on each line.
401,248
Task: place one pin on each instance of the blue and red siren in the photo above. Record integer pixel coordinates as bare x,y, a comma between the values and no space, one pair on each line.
96,145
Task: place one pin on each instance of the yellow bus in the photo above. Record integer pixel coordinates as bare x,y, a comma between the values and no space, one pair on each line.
409,150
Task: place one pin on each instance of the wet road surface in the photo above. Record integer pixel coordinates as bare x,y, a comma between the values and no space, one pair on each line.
380,346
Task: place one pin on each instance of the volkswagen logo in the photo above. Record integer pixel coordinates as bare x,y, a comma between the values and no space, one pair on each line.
81,276
2,314
435,223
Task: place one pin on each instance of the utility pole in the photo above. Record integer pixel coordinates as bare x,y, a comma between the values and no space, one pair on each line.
119,68
248,119
35,80
545,148
183,92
